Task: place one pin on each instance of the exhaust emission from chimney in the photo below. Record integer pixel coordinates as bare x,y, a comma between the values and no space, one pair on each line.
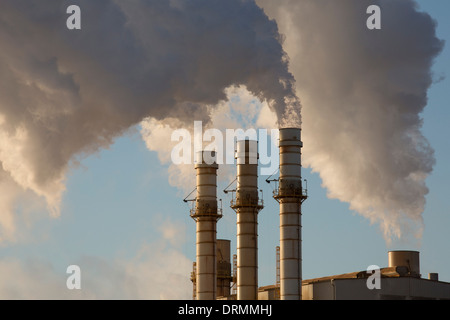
68,94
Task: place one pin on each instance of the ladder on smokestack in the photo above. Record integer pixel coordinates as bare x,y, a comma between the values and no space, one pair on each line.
277,284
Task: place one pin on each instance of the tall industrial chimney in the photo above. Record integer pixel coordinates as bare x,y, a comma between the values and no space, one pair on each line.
247,206
290,196
206,214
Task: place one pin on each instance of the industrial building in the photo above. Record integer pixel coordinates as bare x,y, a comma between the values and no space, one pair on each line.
401,280
215,276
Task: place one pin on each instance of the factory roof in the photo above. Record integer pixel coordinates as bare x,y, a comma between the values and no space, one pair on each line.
389,272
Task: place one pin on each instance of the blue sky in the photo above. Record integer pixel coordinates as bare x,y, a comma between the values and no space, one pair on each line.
435,253
119,204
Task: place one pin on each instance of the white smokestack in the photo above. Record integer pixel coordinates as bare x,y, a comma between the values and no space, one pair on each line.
247,206
290,196
206,215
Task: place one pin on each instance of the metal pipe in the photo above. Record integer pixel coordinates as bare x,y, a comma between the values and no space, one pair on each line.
290,196
247,206
206,214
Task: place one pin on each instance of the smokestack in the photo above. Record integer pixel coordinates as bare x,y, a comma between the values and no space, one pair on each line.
290,196
247,206
206,214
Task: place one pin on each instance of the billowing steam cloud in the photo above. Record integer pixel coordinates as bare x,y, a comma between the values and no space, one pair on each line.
240,111
363,93
66,94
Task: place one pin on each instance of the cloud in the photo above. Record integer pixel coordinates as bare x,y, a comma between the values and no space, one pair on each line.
67,94
158,270
362,94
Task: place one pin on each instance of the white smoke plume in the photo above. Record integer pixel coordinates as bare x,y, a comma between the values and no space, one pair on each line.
65,94
362,95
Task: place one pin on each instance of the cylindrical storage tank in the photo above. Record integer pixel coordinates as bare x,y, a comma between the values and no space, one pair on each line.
247,206
206,216
290,197
224,276
405,258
